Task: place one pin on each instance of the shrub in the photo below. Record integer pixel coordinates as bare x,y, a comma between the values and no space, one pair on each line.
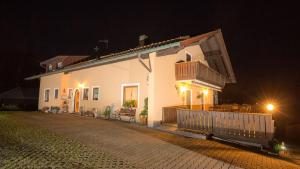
55,109
107,112
145,109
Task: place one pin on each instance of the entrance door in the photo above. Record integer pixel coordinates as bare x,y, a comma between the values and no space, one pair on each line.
188,100
76,101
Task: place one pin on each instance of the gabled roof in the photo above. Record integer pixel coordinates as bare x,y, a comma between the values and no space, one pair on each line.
179,42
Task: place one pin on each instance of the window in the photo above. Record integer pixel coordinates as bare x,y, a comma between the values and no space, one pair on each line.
188,57
46,96
96,93
85,94
59,65
49,67
56,93
130,93
70,93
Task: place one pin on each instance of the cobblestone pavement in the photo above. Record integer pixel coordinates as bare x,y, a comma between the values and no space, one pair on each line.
22,146
148,148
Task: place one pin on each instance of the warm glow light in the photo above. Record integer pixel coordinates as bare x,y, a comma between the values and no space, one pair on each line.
205,92
183,88
270,107
81,85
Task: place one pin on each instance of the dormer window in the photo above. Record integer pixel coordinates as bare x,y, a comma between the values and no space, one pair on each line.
50,67
59,65
188,57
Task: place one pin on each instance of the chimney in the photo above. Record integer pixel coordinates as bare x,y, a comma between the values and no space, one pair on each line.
142,40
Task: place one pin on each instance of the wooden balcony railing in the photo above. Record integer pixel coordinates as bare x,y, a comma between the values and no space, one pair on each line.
198,71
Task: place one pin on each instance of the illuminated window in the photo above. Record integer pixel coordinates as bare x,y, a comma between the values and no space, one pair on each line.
130,93
56,93
96,93
46,96
85,94
59,65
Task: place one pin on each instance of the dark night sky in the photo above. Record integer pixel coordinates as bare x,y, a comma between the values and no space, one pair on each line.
262,38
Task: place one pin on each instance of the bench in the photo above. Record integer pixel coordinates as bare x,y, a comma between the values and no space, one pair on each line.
125,112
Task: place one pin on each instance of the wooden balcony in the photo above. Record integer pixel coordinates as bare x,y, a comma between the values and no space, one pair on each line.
198,71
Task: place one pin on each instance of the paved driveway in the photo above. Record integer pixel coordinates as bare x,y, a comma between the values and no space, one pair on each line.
149,148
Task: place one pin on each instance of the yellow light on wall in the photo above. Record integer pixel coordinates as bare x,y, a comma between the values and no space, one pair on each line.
270,107
183,89
81,85
205,92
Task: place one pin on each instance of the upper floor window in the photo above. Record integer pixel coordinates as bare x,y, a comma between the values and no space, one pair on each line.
96,93
46,95
59,65
56,93
188,57
85,94
50,67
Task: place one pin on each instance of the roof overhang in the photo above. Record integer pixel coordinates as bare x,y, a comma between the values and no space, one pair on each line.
97,62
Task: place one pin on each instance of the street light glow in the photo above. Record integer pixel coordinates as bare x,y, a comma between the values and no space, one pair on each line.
270,107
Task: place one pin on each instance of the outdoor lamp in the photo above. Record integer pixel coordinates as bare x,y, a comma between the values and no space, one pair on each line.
205,92
270,107
183,88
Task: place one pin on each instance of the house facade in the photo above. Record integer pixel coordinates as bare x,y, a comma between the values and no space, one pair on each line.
187,71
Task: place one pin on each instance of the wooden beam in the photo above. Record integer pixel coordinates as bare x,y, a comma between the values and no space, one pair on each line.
142,62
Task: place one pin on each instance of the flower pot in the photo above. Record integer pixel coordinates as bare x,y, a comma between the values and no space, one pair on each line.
143,120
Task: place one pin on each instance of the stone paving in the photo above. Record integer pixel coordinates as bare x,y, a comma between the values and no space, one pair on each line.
22,146
148,148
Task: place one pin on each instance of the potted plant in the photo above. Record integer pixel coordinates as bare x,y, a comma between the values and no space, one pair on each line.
144,112
129,104
55,109
107,112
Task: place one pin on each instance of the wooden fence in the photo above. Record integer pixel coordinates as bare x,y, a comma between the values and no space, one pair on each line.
246,127
169,115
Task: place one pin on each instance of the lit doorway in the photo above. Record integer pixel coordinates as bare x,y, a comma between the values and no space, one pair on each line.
76,101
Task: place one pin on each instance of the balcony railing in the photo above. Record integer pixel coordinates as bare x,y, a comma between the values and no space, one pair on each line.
198,71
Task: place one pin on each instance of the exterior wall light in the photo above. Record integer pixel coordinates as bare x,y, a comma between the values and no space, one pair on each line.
81,85
183,89
270,107
205,92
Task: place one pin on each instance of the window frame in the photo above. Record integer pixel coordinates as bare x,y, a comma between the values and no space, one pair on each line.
59,65
54,93
48,99
138,94
50,65
70,96
93,98
83,98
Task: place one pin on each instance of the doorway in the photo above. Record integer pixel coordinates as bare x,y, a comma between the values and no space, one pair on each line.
76,101
188,98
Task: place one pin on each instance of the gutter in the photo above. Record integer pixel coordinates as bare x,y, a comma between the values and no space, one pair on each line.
107,60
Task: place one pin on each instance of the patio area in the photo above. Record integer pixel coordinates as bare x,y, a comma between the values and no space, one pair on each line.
144,147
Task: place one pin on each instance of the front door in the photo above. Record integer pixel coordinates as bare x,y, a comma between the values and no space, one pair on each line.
188,97
76,101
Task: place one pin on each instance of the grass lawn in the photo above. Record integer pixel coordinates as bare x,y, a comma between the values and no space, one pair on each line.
24,146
